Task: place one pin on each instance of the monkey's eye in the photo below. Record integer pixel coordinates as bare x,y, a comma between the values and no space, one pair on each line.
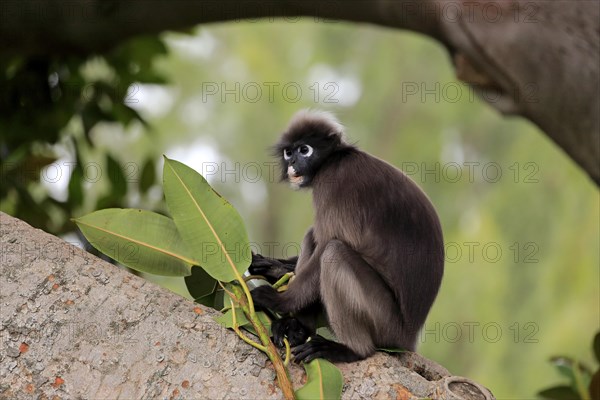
287,154
305,150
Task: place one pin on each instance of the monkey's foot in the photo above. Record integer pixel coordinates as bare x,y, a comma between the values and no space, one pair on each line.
319,347
290,328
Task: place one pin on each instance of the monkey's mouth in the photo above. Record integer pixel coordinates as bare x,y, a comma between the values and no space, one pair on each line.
296,180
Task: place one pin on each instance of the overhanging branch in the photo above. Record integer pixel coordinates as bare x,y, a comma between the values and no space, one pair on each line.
538,59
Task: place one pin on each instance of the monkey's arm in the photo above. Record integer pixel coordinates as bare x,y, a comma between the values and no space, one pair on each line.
303,291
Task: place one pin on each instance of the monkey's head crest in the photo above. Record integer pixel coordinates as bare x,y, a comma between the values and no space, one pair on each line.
317,121
310,138
312,125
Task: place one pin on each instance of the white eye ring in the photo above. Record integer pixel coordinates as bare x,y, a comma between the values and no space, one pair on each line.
308,152
285,155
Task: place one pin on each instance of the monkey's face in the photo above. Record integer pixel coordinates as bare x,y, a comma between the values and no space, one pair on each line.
306,145
299,161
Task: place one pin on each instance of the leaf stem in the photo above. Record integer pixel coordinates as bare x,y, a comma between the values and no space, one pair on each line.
283,280
283,378
288,352
245,338
247,293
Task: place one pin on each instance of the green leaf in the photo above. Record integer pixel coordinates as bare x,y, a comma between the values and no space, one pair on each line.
559,393
324,381
125,114
148,176
564,366
202,286
142,240
226,320
116,177
577,373
75,188
211,227
118,188
213,300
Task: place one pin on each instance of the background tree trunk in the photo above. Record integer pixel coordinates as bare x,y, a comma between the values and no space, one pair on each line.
75,326
538,59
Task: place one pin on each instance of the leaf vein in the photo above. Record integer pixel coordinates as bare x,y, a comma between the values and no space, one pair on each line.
184,259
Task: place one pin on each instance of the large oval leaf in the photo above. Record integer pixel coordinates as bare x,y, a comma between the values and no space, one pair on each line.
324,381
142,240
210,226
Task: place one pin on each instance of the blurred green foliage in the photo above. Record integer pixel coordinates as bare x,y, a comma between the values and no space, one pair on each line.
48,107
580,382
520,219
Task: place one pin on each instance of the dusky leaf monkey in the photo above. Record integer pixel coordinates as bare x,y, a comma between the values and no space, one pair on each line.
373,260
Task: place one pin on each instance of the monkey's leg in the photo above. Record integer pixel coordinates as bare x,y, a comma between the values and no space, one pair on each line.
361,309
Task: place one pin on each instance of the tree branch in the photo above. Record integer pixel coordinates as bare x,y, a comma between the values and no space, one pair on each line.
74,326
538,59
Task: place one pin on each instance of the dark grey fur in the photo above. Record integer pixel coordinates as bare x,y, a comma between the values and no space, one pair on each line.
374,258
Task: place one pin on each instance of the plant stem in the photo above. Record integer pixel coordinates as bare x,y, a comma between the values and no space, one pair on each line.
288,352
245,338
283,280
283,378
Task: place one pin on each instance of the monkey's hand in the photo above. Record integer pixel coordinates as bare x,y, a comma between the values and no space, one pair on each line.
265,297
271,268
290,328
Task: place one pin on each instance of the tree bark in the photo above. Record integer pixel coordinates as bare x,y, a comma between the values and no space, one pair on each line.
74,326
534,58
